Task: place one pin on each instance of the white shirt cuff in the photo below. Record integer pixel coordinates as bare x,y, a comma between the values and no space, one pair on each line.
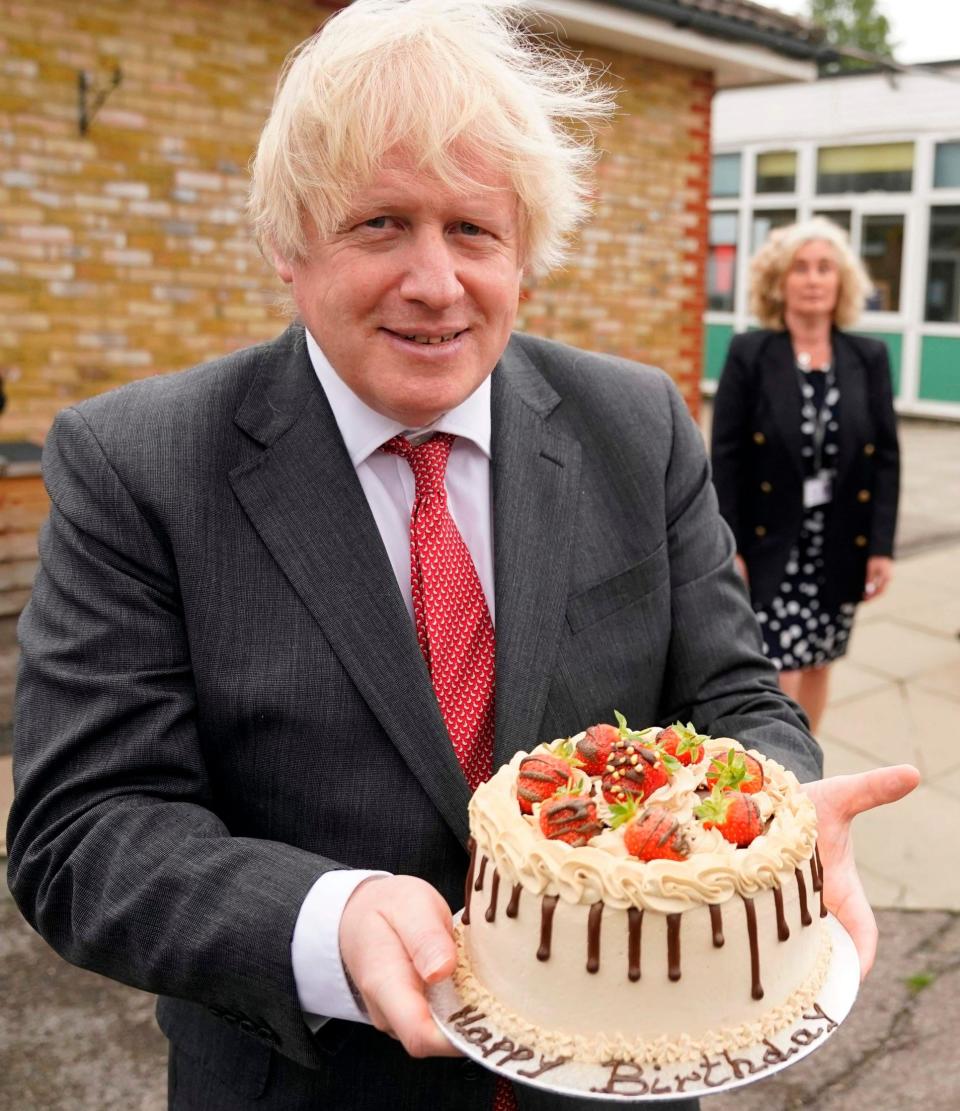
315,949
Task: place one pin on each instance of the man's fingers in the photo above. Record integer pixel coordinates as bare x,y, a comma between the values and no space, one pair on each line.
845,897
396,934
851,795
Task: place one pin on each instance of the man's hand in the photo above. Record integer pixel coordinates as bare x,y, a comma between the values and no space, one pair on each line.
839,800
396,936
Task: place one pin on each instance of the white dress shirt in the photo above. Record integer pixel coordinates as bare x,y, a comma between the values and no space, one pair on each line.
388,484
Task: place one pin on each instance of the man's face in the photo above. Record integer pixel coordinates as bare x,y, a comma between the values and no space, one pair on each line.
413,299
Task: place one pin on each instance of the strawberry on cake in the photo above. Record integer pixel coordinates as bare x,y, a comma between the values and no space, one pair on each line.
642,895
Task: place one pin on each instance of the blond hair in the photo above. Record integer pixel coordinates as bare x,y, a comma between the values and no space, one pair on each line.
770,264
452,82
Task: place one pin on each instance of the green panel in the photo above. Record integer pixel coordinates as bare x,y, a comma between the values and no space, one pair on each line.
716,340
940,368
894,342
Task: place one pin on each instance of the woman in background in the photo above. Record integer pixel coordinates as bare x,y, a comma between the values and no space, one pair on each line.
805,455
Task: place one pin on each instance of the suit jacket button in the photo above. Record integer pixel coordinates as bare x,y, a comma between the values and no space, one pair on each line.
863,495
868,449
760,530
759,438
471,1071
861,541
766,487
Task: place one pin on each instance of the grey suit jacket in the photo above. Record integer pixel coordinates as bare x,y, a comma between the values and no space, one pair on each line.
221,694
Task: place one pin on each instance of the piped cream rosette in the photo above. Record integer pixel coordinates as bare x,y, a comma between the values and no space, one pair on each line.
604,870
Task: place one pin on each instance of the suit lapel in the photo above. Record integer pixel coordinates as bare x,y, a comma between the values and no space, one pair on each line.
779,378
303,497
535,483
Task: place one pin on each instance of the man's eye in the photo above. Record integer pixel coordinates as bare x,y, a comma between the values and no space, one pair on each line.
376,222
470,229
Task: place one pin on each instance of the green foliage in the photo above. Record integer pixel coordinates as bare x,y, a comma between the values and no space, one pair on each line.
919,981
852,23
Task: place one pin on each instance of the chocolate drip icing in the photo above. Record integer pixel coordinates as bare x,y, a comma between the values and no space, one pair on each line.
673,946
634,925
514,900
478,886
783,930
547,907
756,989
805,919
716,921
491,911
815,874
468,886
593,936
816,853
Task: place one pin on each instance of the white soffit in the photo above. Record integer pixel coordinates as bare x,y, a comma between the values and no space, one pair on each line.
733,64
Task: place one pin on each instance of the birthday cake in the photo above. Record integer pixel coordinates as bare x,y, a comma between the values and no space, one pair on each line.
643,896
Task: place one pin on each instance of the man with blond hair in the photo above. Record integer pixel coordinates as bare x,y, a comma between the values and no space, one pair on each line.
258,678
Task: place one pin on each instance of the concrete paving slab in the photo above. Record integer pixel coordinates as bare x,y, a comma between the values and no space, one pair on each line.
943,680
850,680
876,724
938,567
898,650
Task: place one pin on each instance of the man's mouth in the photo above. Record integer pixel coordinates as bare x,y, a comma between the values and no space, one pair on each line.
428,338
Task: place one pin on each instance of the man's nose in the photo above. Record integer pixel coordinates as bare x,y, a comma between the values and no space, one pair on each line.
430,274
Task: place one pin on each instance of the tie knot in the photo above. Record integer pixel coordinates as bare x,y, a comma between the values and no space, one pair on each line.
428,460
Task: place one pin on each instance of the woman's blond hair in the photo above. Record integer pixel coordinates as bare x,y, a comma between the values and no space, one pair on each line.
453,82
770,264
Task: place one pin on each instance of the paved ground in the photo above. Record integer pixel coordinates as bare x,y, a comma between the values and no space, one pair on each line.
71,1041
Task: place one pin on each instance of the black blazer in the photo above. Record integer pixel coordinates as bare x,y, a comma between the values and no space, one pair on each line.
758,472
221,694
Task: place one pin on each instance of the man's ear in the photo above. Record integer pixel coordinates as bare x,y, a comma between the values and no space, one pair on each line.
282,266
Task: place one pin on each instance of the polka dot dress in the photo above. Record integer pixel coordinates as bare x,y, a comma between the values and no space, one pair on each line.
797,631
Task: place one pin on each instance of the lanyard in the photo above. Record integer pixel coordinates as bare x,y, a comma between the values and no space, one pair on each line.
822,415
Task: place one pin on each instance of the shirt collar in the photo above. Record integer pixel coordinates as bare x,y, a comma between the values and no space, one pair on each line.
364,429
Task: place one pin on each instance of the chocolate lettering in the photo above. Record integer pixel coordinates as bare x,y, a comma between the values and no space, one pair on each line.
775,1056
741,1066
623,1074
681,1081
545,1066
820,1014
656,1089
465,1016
477,1035
515,1053
803,1036
708,1066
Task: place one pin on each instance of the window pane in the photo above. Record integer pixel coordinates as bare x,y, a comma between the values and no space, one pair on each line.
887,167
839,216
882,251
946,166
722,261
777,171
764,222
725,175
943,265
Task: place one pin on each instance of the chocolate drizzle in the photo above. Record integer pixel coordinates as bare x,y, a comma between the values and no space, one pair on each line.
478,886
783,930
514,900
673,946
716,922
548,906
593,936
491,912
468,886
634,926
805,918
756,989
816,853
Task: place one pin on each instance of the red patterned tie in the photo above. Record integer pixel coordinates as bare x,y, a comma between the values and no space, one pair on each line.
453,623
454,629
